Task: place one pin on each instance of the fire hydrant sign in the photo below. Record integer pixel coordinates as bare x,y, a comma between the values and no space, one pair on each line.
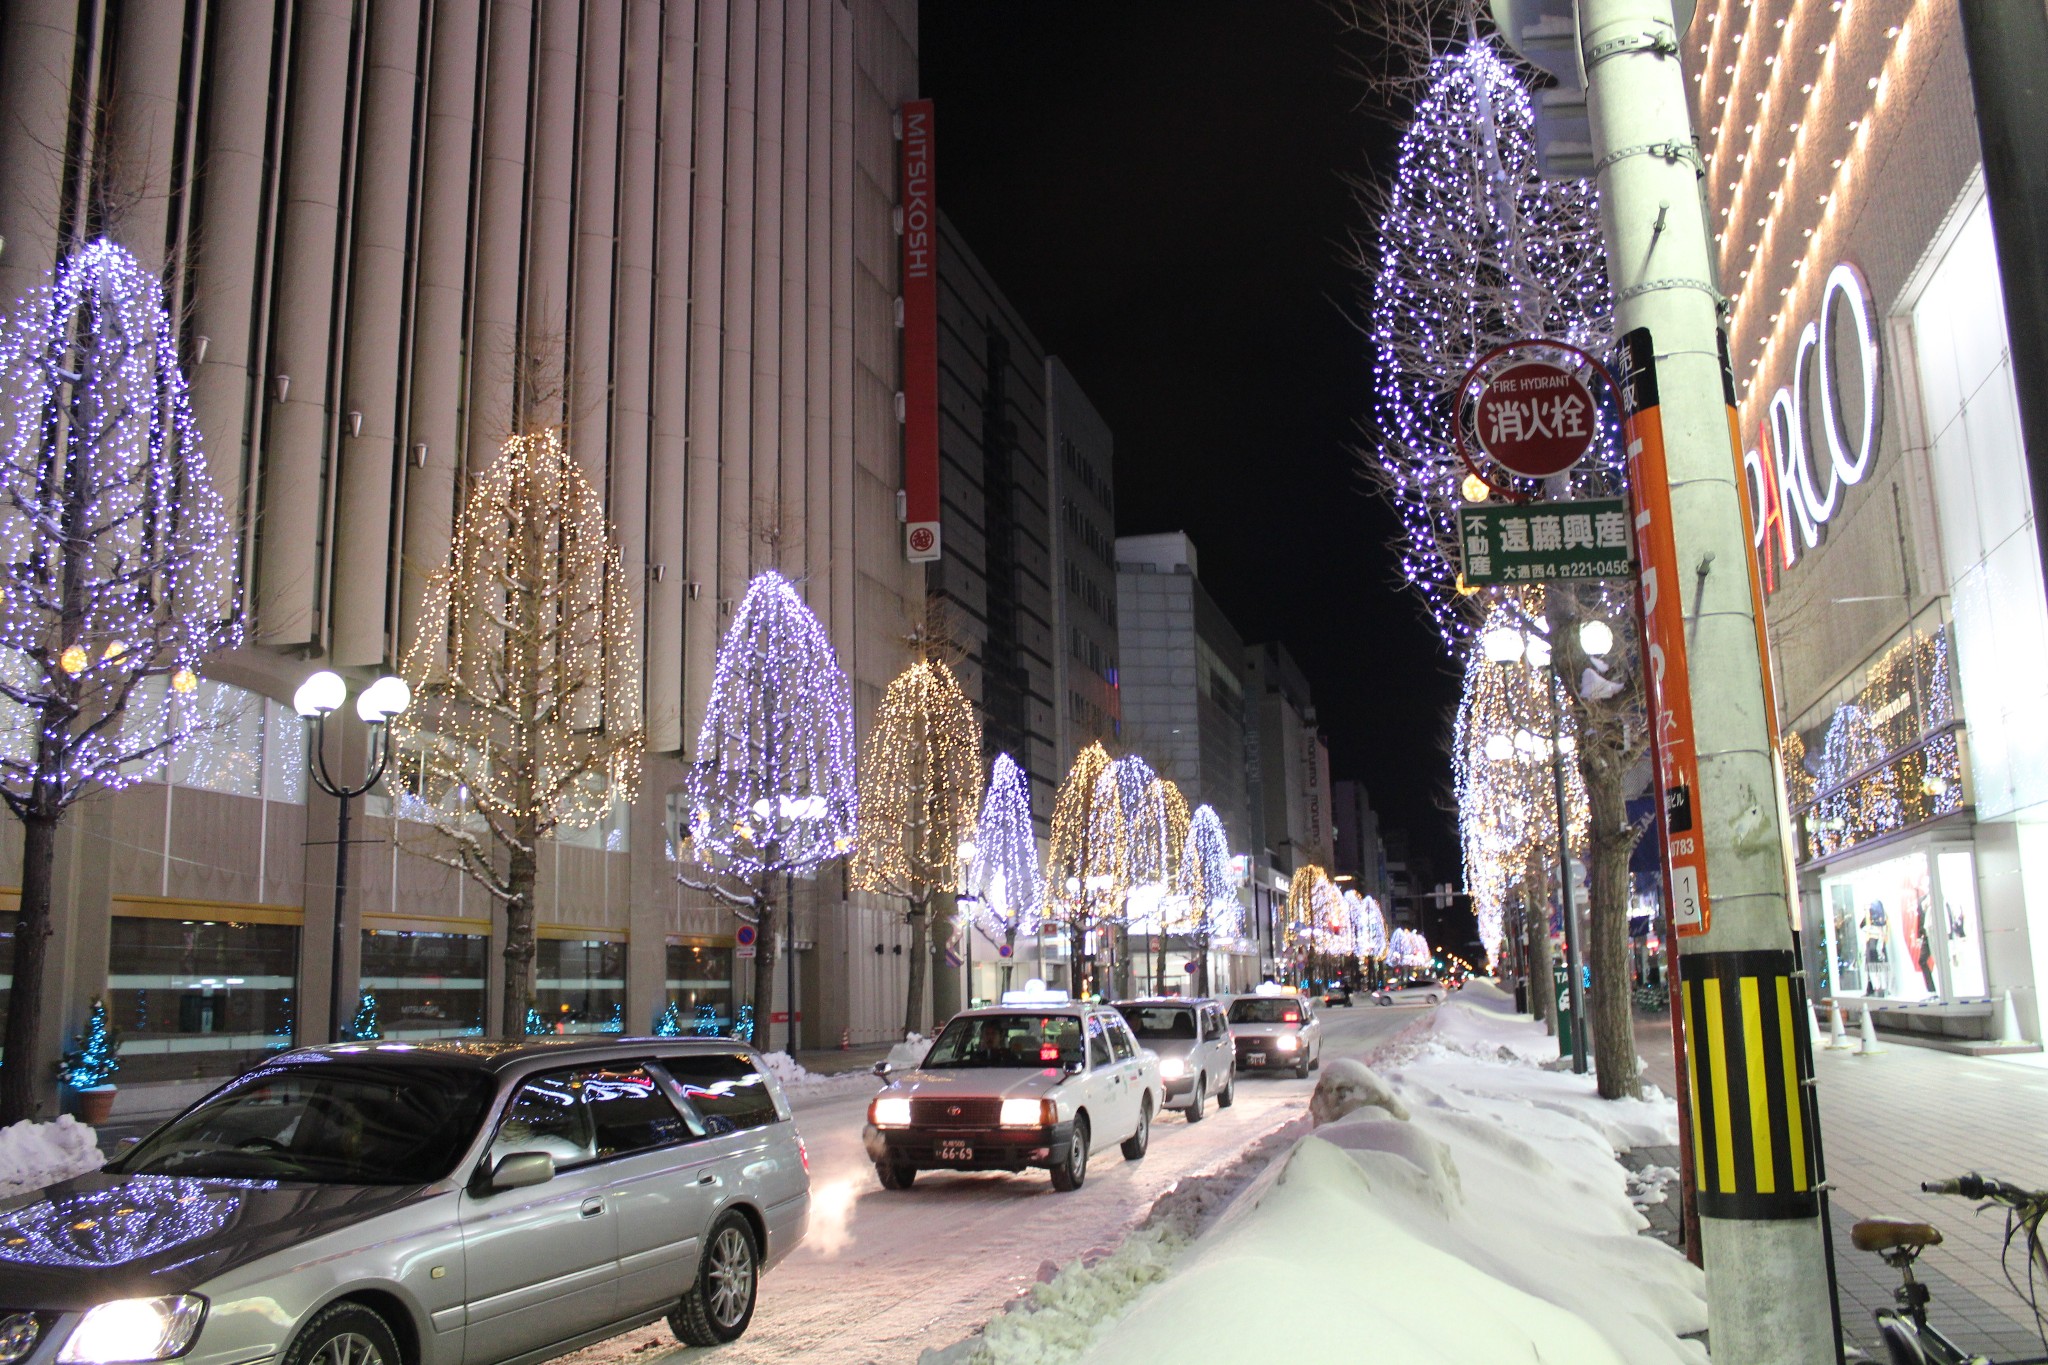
1544,542
1535,419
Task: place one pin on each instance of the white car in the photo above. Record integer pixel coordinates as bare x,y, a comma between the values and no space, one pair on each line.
1416,990
1276,1031
1037,1081
1197,1060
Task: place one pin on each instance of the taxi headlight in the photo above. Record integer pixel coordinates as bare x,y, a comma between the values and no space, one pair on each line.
129,1330
891,1111
1022,1114
1172,1068
1287,1042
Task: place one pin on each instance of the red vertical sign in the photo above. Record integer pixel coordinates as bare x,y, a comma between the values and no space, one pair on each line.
1670,691
920,337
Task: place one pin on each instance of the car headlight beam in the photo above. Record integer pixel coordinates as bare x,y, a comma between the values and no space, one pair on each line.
134,1330
891,1111
1172,1068
1287,1042
1021,1113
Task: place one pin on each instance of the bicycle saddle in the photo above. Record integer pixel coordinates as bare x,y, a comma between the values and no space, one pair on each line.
1889,1234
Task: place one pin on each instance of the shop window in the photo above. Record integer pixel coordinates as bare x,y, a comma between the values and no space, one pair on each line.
580,985
426,985
1958,926
200,997
1882,930
700,987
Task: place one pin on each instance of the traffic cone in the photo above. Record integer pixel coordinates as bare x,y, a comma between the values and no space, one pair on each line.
1814,1033
2009,1027
1837,1039
845,1039
1869,1036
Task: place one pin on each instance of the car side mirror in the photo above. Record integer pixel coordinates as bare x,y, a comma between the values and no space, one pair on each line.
1074,1067
882,1068
517,1170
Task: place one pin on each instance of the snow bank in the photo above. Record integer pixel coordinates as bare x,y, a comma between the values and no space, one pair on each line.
33,1155
907,1054
797,1079
1490,1223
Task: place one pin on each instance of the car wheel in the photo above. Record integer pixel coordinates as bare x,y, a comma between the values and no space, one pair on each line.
1430,998
1227,1096
1301,1068
1315,1063
1136,1143
344,1333
1196,1104
1386,1000
720,1304
895,1176
1069,1174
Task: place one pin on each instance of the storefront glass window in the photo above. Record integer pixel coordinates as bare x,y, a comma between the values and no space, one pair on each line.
425,985
200,997
1963,933
700,985
580,985
1880,920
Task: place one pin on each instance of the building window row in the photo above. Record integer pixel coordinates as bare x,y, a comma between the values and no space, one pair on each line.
1082,588
1084,470
1083,528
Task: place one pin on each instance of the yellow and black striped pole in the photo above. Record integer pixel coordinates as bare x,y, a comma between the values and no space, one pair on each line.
1747,1060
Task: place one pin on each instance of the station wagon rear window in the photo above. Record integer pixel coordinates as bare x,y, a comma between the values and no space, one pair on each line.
1266,1010
724,1089
1163,1021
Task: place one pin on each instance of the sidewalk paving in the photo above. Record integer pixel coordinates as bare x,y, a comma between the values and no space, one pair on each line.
1892,1120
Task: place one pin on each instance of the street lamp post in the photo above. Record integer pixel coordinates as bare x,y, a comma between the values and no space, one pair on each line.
964,902
1504,645
317,698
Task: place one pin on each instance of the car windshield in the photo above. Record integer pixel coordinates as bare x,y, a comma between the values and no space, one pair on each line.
1008,1040
326,1123
1159,1021
1265,1009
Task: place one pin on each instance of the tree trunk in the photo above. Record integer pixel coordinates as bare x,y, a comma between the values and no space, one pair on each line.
1536,925
1610,840
24,1093
764,963
519,938
920,918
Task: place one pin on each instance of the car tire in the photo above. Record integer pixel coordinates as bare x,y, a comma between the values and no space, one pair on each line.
1135,1145
1315,1063
1301,1069
1200,1100
339,1334
720,1303
1227,1096
1386,1000
1429,999
1068,1175
895,1176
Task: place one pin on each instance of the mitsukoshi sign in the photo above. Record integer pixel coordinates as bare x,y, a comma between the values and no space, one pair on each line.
1818,436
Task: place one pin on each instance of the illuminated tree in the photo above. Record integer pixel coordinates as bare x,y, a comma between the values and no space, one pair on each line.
1003,875
117,564
1315,915
920,786
525,677
1158,837
772,794
1205,901
1089,854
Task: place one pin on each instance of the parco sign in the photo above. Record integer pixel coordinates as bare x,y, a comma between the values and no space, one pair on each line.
1819,433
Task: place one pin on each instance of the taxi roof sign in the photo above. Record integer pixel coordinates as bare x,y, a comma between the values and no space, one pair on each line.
1035,992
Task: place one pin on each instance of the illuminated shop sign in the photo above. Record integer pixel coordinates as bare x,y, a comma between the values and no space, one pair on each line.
1812,445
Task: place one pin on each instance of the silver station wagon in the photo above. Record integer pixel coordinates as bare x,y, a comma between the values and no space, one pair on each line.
438,1203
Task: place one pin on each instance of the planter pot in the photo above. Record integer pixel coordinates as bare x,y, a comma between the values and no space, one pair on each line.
96,1106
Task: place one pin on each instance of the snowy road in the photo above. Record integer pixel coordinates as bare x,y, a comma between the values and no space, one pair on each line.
884,1275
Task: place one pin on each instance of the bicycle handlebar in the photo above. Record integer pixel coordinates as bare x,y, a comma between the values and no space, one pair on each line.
1974,1186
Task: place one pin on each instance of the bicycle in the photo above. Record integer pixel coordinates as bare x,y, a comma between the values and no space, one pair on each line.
1908,1337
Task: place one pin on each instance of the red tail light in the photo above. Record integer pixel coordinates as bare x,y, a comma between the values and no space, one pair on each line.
804,1152
1048,1053
1290,1018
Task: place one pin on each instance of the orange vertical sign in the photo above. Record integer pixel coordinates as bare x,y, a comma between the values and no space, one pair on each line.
1663,609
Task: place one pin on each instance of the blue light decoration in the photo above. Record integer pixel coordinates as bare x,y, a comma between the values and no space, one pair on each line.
281,1036
1475,249
668,1023
99,1229
91,1061
707,1021
142,1010
102,631
1003,876
535,1024
363,1028
617,1022
743,1026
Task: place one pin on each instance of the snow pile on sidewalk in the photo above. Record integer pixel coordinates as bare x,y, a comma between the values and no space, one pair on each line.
33,1155
797,1079
907,1054
1492,1224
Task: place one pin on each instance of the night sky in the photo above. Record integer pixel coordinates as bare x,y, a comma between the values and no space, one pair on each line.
1160,190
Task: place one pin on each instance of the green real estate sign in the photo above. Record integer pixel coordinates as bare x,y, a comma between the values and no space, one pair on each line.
1540,542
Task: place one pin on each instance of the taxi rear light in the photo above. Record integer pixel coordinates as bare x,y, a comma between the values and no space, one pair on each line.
1290,1018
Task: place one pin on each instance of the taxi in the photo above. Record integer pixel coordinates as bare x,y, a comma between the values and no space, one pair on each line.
1037,1081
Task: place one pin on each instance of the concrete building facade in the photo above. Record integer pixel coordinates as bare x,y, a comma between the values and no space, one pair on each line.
362,212
1081,451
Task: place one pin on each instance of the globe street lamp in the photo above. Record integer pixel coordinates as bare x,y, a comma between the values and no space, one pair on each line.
319,697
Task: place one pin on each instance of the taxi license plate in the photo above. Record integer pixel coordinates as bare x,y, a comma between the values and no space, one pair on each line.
1255,1058
956,1151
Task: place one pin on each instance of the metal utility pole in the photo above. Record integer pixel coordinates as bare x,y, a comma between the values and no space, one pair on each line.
1760,1223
